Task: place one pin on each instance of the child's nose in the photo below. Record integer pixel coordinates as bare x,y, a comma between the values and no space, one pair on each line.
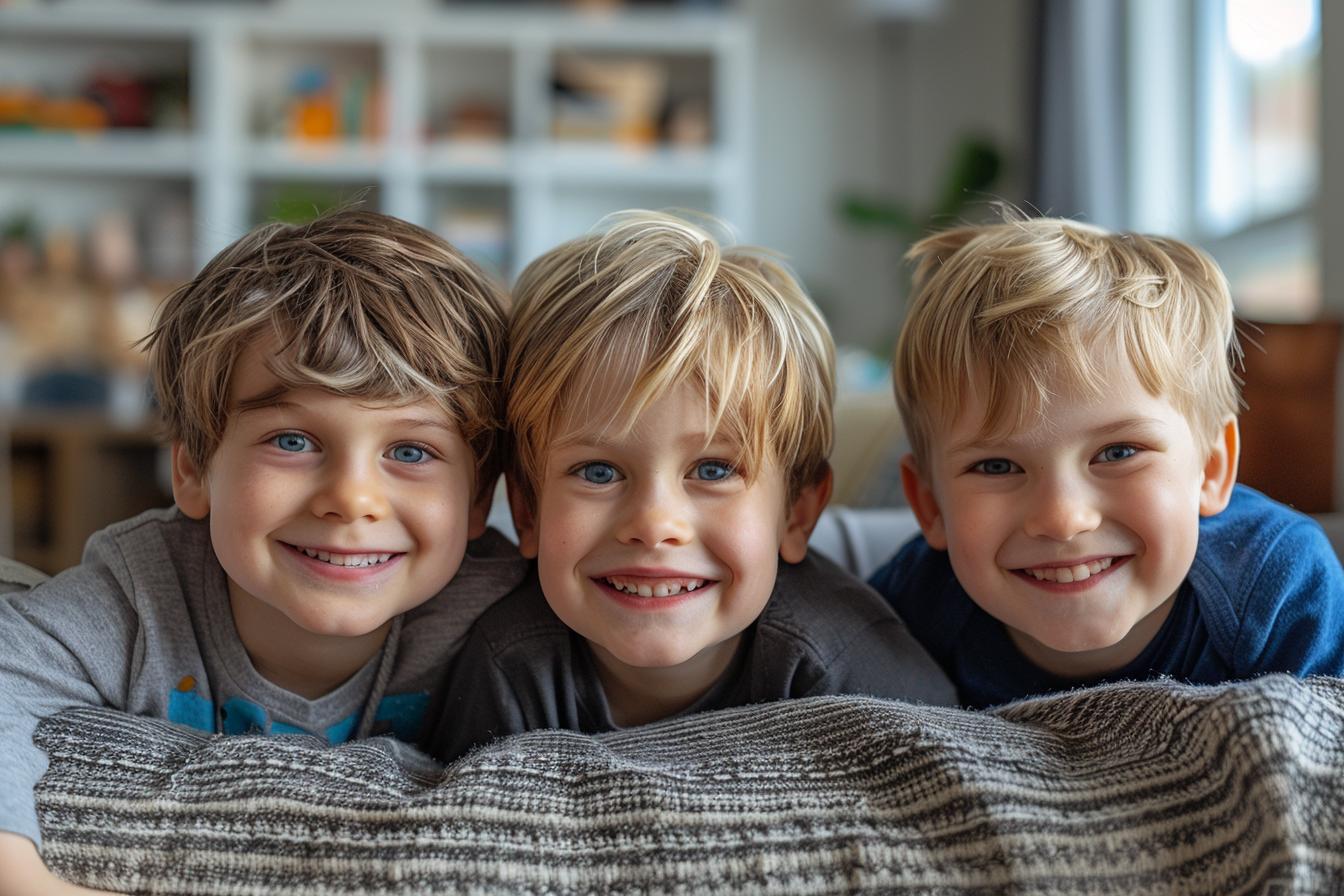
655,516
1061,510
352,490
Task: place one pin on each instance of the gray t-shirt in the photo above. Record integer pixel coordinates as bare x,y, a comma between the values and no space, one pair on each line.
143,625
822,632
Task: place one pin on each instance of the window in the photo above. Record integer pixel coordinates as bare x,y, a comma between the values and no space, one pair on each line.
1224,147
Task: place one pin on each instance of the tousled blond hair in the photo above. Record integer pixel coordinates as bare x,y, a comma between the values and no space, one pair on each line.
653,301
1007,309
355,303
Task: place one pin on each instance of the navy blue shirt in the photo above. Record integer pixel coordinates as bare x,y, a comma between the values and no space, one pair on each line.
1265,594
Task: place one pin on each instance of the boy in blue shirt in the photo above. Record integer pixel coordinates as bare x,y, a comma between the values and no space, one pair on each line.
331,393
1072,412
670,404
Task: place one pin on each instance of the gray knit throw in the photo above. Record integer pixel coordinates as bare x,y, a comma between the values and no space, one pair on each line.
1126,789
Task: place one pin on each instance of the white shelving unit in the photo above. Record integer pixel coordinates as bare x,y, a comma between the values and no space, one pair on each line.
238,56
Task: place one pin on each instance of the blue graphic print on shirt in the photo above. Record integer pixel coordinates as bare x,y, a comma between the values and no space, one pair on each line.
401,714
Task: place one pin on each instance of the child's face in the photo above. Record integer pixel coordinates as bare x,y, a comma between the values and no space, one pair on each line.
338,513
1077,531
652,546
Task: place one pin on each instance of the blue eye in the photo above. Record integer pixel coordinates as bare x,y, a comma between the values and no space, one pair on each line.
290,441
1112,453
409,454
995,466
598,473
713,470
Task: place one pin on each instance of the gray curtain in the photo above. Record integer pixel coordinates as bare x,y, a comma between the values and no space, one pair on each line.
1081,164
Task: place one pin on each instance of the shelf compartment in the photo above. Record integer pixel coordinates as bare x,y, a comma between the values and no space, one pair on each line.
73,475
632,98
50,80
469,95
312,92
475,218
299,199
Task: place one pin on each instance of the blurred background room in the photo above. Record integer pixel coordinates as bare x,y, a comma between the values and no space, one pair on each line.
139,137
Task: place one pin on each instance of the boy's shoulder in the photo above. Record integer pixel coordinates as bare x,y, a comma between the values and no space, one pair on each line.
826,618
1270,588
919,584
519,619
491,571
818,596
1250,514
1253,536
144,546
16,576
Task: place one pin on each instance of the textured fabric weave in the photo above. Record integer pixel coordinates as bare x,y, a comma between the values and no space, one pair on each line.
1135,788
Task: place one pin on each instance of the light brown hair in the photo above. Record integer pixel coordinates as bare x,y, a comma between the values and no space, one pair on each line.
357,303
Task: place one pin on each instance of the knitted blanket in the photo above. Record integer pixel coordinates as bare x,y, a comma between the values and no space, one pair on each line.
1133,789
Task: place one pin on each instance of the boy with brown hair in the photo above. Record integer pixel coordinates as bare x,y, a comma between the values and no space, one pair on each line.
670,403
1071,404
331,393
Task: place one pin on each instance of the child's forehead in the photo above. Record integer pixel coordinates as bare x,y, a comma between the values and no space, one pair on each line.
604,411
989,413
256,385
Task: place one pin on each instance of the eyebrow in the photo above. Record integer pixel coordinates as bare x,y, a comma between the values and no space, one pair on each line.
596,442
274,399
271,398
1128,424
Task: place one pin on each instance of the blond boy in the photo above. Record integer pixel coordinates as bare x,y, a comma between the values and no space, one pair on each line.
1072,409
670,403
331,395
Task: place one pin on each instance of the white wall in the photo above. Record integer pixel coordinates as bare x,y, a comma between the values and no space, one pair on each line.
850,103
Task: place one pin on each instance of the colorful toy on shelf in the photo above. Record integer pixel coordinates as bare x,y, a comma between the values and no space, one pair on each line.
329,105
312,112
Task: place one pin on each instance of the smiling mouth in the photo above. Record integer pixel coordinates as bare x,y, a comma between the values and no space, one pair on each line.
643,587
1064,574
349,561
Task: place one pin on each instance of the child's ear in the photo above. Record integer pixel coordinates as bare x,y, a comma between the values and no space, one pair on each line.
1220,473
803,515
922,501
524,518
191,487
479,514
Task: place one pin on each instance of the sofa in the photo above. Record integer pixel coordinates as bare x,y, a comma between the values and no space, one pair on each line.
1133,788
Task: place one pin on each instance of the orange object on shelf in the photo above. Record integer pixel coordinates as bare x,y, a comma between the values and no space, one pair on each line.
313,118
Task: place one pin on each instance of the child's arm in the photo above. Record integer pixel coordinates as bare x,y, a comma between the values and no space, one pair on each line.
23,873
67,642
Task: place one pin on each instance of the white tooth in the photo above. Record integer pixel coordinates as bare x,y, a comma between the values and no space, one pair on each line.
661,590
1063,574
1080,572
324,556
694,584
1094,567
645,591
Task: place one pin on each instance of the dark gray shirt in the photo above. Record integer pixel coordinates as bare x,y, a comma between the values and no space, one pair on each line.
822,632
